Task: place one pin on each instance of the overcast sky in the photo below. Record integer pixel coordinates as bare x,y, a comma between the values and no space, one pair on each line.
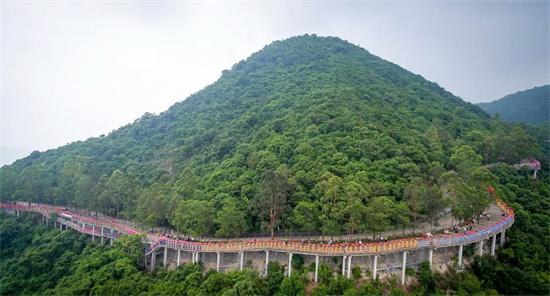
72,70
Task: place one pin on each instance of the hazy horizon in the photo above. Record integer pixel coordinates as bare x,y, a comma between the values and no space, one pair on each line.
71,71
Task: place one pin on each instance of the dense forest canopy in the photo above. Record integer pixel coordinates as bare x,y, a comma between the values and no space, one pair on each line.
308,127
528,106
38,260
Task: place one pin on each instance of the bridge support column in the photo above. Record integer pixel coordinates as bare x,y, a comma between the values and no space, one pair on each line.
193,257
349,266
316,267
481,247
218,261
153,259
403,267
198,259
344,259
430,256
241,261
17,213
266,260
164,259
102,234
460,249
179,256
502,237
374,266
93,233
289,264
493,244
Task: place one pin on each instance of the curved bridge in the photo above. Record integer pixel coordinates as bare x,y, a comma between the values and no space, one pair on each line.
111,228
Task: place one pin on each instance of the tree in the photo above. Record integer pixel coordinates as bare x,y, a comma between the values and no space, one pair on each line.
414,196
275,275
292,286
152,208
306,216
434,144
377,213
231,219
434,203
271,199
118,194
354,211
331,188
465,160
186,184
400,215
194,217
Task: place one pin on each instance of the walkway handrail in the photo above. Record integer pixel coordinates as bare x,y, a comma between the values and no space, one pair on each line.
156,240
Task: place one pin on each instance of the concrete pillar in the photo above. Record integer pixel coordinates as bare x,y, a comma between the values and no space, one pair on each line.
344,265
460,249
241,261
266,260
403,267
153,258
198,259
218,261
93,232
481,248
316,266
289,264
164,259
193,257
179,257
17,213
502,237
60,226
102,234
493,244
349,266
374,266
430,256
110,242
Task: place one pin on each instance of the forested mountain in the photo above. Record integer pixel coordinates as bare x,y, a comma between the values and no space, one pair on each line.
528,106
307,127
310,134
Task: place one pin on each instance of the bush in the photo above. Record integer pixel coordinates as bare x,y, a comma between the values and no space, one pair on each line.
356,272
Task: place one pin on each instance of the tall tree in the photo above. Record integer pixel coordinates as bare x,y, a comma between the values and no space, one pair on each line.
377,213
272,197
333,199
414,196
354,211
306,216
194,217
231,219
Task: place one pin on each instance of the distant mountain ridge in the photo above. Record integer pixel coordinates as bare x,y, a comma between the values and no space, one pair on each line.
528,106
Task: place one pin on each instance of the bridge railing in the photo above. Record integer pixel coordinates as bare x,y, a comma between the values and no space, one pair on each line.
156,241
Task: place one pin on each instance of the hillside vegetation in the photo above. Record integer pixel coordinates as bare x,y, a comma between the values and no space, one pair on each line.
35,260
310,134
528,106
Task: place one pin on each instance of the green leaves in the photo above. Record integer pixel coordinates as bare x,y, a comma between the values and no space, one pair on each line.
231,219
271,199
194,217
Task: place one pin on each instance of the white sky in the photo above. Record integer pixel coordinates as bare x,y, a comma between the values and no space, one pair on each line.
75,69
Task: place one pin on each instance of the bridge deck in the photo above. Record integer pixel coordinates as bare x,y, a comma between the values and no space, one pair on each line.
501,217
